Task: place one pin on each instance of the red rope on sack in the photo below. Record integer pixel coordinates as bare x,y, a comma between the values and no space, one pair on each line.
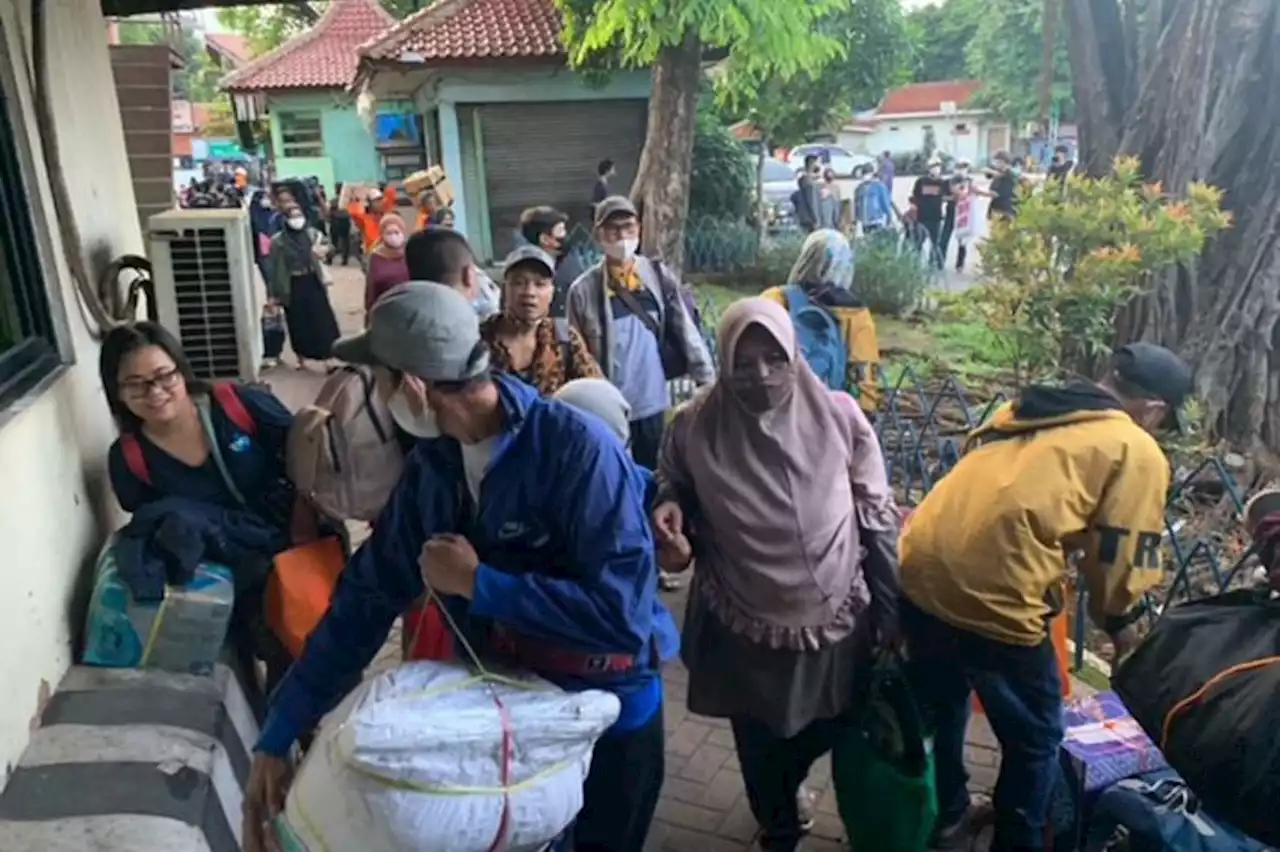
504,822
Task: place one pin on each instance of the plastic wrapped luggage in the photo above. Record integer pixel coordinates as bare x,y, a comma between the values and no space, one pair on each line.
430,756
1205,686
182,633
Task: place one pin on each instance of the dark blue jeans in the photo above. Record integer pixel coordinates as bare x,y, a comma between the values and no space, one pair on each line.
1021,694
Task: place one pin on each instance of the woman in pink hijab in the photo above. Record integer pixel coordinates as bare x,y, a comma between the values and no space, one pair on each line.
780,488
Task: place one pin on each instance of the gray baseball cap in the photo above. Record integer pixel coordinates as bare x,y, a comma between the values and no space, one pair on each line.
529,254
427,330
614,205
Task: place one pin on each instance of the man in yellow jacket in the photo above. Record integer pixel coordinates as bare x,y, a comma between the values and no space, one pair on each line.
985,554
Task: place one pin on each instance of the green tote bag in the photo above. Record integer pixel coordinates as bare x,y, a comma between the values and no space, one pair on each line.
882,768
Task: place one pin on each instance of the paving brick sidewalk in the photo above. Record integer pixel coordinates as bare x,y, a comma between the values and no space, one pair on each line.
704,807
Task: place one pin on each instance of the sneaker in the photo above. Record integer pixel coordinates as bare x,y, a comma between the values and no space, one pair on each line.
960,834
805,806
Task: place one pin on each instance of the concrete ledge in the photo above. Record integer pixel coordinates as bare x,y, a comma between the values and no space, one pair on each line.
127,761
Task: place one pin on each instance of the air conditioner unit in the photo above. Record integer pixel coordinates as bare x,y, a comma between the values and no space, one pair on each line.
206,290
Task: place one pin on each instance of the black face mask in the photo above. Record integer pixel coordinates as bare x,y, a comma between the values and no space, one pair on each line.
557,246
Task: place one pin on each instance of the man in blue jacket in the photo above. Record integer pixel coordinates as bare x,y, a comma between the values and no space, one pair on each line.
530,519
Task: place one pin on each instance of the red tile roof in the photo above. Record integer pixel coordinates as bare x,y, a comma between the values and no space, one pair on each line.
473,29
324,57
927,97
233,46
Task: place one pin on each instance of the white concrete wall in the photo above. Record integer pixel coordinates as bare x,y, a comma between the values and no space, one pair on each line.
902,135
55,503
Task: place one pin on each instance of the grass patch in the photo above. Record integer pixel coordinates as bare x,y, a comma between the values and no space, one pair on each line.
926,346
930,347
1092,678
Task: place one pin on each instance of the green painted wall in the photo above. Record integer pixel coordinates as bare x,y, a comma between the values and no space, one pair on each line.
350,154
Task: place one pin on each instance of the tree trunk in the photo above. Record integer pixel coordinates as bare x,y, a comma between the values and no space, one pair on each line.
762,209
661,190
1193,89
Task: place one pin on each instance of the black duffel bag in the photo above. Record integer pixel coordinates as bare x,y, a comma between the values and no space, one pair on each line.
1205,686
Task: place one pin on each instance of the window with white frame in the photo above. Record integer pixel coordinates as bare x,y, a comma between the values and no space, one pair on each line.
300,135
28,345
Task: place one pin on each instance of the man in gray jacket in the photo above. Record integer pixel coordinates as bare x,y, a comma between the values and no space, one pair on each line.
631,312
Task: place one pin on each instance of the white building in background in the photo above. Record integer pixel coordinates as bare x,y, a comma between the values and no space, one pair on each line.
908,114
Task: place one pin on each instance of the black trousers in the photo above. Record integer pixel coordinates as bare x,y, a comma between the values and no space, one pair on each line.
646,439
933,228
621,791
773,768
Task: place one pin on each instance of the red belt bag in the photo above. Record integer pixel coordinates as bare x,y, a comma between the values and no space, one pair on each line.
543,656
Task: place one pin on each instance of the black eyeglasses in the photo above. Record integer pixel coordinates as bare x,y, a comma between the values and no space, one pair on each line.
138,388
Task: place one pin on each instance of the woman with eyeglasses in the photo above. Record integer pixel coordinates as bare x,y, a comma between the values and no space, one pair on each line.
191,454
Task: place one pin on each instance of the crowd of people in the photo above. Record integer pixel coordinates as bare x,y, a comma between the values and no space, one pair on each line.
548,483
940,210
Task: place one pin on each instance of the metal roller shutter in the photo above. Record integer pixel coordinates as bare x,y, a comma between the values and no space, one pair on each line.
546,153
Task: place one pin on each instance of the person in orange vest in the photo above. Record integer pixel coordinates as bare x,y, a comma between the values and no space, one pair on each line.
367,215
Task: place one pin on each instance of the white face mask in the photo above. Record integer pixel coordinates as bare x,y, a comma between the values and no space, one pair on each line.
394,240
297,222
935,170
264,202
422,425
622,250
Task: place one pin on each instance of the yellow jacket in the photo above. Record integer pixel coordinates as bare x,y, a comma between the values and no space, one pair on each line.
1062,469
859,331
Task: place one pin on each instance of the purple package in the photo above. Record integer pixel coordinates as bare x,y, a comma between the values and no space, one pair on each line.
1103,744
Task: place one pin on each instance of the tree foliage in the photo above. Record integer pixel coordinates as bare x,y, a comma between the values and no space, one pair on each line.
939,37
872,36
1007,54
268,27
722,178
1057,277
759,39
197,80
763,38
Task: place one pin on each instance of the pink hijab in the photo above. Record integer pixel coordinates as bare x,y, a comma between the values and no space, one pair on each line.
776,526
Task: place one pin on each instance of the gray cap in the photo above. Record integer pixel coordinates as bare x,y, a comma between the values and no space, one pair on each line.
427,330
614,205
529,254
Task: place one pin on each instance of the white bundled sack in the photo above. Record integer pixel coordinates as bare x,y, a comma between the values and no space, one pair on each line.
423,757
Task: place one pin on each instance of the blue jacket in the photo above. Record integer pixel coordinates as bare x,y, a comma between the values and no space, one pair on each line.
566,557
875,206
167,538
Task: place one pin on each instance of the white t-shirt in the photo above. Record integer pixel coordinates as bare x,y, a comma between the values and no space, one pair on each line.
475,462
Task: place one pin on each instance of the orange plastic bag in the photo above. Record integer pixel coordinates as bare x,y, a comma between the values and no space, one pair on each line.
300,589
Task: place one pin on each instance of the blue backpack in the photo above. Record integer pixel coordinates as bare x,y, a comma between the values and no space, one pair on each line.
1156,812
818,335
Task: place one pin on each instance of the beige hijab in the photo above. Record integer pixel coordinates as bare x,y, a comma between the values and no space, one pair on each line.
777,535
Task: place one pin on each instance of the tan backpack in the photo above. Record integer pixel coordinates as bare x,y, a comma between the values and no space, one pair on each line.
342,453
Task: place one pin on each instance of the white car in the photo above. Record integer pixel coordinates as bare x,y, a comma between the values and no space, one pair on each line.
845,163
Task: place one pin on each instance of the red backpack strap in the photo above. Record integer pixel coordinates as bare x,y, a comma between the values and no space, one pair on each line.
133,457
228,399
